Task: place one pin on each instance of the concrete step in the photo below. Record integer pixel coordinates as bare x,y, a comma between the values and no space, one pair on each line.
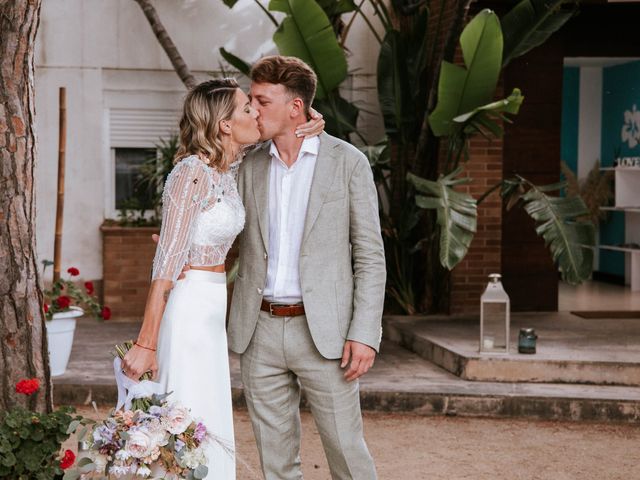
570,350
400,381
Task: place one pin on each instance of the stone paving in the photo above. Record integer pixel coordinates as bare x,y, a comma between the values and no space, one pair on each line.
399,381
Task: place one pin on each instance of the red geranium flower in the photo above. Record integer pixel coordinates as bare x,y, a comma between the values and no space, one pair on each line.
28,386
67,460
106,313
46,308
73,271
89,287
63,301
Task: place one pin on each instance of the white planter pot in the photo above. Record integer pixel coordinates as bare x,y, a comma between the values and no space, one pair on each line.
60,331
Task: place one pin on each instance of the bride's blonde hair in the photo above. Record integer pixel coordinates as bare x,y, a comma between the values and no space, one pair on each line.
204,107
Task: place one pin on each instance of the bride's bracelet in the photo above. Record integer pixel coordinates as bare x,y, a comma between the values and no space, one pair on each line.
142,346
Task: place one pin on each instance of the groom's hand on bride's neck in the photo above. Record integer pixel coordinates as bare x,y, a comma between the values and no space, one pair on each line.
156,239
359,357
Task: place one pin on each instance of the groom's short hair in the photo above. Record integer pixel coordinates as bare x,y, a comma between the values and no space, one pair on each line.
296,76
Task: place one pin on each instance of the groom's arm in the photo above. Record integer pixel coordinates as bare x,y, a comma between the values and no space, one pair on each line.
369,271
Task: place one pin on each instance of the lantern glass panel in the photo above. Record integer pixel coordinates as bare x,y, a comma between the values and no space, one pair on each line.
494,334
494,317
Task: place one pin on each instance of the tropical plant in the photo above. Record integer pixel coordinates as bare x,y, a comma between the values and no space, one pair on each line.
309,31
461,113
596,190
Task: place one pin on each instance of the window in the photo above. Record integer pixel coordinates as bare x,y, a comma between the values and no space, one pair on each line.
132,191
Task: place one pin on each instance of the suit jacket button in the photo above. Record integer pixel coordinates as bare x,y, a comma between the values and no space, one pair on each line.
259,291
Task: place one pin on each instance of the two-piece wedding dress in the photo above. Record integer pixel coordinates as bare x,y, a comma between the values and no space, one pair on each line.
202,215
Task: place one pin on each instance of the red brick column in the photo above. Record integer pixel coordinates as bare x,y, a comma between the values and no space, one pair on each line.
469,277
127,257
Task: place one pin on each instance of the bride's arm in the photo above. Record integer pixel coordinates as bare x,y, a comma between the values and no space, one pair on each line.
185,190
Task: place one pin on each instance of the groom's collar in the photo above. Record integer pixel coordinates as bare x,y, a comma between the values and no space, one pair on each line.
309,145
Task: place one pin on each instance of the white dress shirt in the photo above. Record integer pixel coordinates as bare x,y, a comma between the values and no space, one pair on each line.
289,189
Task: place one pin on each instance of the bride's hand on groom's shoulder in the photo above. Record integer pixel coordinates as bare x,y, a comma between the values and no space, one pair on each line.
314,127
138,361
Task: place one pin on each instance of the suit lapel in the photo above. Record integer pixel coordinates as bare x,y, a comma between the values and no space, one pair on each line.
323,175
260,187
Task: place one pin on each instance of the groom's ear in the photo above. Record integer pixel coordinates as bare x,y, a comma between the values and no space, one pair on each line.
297,108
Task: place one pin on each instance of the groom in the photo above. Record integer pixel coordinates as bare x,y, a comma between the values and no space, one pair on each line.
307,301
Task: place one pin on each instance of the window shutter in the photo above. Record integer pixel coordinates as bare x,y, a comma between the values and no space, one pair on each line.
140,127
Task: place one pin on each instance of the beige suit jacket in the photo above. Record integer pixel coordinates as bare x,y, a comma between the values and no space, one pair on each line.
342,265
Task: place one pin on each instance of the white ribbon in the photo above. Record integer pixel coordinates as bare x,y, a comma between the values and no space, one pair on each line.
129,389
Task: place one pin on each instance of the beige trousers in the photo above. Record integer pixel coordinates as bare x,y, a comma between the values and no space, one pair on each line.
280,358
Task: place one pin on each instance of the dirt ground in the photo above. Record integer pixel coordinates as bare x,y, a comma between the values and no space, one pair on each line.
449,448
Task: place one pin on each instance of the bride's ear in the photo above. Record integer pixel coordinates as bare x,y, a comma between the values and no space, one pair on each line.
225,127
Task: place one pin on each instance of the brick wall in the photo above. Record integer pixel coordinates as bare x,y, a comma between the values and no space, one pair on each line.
469,277
127,256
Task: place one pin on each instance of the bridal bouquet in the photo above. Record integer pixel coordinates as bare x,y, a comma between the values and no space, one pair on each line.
163,441
145,437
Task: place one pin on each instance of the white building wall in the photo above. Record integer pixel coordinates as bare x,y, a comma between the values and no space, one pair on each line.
105,54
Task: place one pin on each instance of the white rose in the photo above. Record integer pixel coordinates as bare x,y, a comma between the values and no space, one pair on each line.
140,443
100,461
143,471
178,419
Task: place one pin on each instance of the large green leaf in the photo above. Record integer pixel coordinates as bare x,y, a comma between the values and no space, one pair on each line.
461,90
531,22
306,33
571,241
487,117
457,214
236,62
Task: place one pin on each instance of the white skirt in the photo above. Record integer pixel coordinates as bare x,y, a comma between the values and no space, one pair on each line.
193,361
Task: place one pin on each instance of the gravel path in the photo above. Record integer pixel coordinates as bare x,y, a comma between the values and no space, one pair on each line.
448,448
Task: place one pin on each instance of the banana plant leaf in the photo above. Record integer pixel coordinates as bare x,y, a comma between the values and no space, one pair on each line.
570,241
236,62
487,117
460,89
531,22
306,33
457,214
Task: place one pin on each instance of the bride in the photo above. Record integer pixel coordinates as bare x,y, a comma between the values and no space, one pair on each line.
182,340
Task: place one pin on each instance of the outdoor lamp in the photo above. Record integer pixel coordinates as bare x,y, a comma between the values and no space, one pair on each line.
494,318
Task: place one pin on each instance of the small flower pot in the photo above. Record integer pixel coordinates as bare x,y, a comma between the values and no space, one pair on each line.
60,330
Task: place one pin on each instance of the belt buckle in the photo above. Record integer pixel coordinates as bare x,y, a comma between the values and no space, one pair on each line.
271,305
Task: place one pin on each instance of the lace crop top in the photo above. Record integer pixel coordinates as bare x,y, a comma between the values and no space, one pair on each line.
202,214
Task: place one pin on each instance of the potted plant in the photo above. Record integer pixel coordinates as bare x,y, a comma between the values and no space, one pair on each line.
30,442
64,303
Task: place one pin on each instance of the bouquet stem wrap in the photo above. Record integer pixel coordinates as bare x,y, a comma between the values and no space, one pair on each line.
130,390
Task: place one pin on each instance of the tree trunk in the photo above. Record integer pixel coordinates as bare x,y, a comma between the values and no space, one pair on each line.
167,44
22,328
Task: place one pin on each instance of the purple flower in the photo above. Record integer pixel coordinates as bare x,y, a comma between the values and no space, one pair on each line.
200,432
179,445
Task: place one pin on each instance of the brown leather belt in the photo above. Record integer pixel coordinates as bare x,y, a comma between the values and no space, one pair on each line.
282,310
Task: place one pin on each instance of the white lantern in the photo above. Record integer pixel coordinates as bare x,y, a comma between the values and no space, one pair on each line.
494,318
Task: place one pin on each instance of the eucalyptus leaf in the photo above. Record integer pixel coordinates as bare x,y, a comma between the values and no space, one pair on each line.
201,472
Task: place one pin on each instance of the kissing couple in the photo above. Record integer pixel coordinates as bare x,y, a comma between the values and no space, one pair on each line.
308,297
